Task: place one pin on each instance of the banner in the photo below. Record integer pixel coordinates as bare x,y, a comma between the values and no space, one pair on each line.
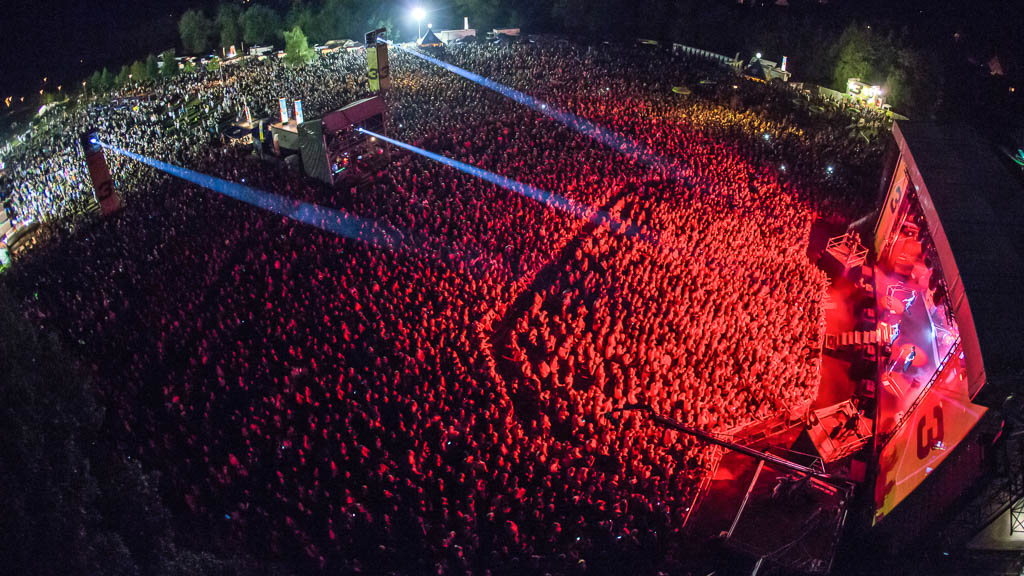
5,223
298,112
891,209
103,184
378,70
372,70
313,151
283,103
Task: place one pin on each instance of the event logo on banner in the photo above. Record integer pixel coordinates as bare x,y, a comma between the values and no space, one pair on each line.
298,112
889,216
372,71
284,110
942,420
377,69
102,182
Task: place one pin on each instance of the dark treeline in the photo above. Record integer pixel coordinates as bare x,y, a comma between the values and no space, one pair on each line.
822,49
936,57
72,504
931,58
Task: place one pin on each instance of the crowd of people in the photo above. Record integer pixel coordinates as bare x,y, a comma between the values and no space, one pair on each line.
173,119
440,404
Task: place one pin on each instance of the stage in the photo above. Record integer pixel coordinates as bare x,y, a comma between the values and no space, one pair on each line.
924,408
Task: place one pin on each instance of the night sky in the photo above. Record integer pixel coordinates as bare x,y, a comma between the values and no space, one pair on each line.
66,39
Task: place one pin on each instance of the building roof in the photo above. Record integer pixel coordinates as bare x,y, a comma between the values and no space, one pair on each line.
975,206
354,113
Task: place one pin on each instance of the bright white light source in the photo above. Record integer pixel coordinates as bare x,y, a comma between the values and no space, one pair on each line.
758,55
419,13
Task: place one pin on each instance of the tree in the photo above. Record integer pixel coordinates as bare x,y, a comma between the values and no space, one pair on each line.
856,55
170,65
152,68
486,13
336,19
912,81
139,72
304,17
394,32
124,76
107,80
72,504
296,47
94,83
260,24
49,418
229,22
196,31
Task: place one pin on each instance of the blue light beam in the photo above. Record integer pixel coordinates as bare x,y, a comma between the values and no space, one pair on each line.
549,198
607,137
322,217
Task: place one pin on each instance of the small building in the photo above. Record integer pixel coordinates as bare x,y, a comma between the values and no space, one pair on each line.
449,36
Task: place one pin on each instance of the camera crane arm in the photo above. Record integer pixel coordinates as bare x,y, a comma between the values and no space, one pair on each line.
712,439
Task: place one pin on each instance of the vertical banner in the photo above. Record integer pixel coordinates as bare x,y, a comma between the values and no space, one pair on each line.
283,103
377,69
891,209
384,70
103,184
5,223
298,112
372,70
785,61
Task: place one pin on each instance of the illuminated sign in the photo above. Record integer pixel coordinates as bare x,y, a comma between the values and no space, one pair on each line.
298,112
284,110
890,210
785,61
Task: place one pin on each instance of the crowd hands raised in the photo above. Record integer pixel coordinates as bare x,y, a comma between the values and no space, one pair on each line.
441,405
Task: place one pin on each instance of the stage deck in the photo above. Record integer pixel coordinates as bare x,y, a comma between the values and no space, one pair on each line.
917,424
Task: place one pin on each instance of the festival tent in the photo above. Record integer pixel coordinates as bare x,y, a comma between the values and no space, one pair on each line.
756,70
430,40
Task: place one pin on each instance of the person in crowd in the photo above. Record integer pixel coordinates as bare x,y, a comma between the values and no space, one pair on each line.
440,405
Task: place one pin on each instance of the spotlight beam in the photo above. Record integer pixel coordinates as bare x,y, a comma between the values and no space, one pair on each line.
582,125
551,199
322,217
